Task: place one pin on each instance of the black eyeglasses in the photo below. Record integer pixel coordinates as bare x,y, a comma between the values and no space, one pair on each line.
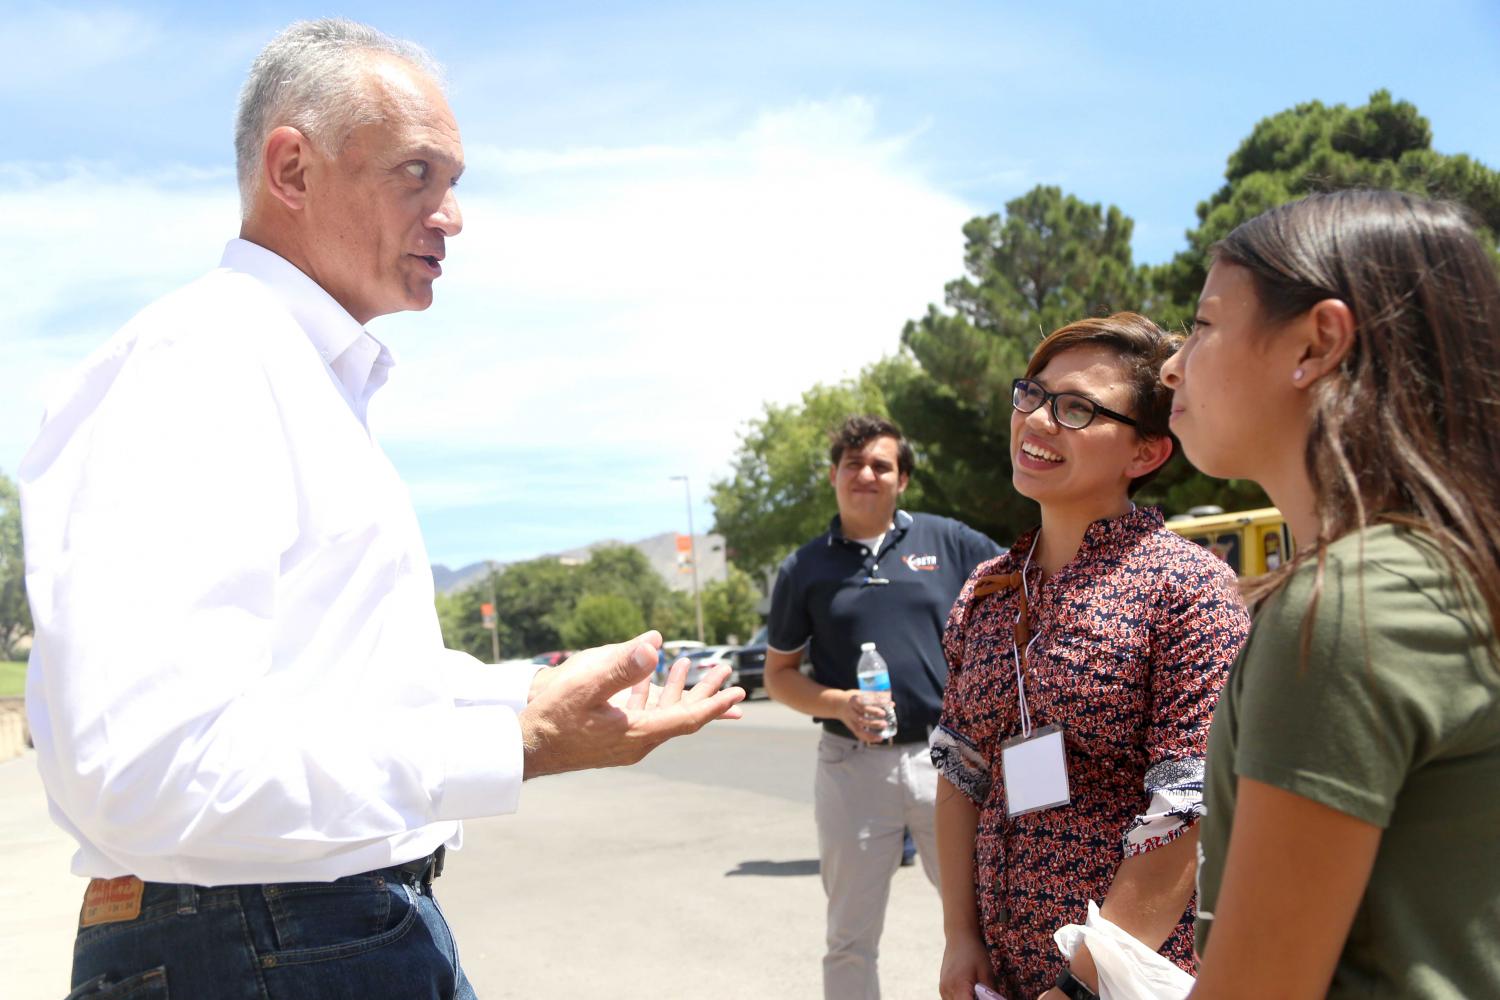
1069,409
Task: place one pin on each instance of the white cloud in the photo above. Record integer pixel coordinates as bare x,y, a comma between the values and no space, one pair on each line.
726,273
84,247
44,44
607,308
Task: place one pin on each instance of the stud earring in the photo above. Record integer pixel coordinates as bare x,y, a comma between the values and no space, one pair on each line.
1297,375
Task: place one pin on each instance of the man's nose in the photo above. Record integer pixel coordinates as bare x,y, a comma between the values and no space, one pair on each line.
449,218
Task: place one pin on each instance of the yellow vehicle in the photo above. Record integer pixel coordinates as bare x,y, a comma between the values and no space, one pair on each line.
1253,542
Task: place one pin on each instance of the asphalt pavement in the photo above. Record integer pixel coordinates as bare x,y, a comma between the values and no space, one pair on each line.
693,874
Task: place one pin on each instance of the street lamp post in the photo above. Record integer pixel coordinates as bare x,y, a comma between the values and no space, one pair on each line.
493,618
693,553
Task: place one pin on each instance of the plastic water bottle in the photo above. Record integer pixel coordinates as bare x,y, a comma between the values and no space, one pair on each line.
875,676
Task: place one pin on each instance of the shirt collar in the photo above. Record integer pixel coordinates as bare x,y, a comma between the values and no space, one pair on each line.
1132,524
899,524
359,361
1136,521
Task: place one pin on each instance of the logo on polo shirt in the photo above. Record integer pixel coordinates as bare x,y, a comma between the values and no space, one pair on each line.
920,563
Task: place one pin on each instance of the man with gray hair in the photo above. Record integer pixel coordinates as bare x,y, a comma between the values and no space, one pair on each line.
241,704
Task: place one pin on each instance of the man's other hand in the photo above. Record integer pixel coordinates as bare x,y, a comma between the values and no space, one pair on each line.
863,716
599,709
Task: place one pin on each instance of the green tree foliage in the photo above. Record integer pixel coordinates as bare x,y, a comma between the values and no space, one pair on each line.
15,612
537,604
533,600
777,495
601,618
729,608
627,573
675,617
462,624
1047,260
1316,147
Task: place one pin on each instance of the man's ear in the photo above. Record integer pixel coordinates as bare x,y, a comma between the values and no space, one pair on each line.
905,482
287,157
1151,453
1327,334
833,476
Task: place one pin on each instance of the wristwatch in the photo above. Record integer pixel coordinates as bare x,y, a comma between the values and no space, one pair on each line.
1073,986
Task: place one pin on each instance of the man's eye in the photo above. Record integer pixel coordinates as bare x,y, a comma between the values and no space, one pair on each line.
417,170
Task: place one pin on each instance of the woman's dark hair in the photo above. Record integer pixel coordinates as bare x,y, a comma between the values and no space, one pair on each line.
855,432
1407,430
1142,347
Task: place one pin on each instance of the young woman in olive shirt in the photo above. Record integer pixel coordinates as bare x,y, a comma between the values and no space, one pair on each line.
1346,356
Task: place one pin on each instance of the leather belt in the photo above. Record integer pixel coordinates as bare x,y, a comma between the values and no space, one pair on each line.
424,870
903,736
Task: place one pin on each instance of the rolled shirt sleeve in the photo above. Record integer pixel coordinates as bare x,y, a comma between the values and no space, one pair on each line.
1203,626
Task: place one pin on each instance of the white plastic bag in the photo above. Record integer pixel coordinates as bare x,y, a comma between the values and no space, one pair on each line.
1128,970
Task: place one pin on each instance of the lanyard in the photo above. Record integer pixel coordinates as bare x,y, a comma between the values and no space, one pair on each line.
1015,649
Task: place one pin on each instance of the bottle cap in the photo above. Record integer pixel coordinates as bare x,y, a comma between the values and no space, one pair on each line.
866,647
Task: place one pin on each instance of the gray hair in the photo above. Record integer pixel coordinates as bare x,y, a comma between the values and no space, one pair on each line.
311,77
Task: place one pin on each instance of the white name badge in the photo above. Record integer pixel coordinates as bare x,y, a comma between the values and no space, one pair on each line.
1036,771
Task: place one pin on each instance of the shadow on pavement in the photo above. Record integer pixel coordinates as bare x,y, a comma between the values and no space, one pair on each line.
775,868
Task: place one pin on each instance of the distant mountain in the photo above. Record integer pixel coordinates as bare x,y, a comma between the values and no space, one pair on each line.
660,550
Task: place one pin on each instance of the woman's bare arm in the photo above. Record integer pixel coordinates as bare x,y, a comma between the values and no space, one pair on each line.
1293,880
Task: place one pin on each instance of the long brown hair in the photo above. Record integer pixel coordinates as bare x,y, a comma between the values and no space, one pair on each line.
1407,430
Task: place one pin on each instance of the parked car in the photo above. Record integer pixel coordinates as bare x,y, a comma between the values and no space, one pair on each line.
671,649
749,663
704,660
552,658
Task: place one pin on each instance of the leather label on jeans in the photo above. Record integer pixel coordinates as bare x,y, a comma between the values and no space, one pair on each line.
109,900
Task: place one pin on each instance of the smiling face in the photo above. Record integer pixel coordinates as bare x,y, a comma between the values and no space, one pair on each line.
868,482
1234,402
1089,468
378,213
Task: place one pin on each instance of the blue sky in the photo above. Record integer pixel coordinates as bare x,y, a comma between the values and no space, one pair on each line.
674,212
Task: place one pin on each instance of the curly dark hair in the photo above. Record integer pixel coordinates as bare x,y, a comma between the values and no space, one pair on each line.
858,431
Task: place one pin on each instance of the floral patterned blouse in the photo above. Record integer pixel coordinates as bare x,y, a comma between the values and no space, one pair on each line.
1130,644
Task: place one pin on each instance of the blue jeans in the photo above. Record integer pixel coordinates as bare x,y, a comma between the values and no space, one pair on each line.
366,936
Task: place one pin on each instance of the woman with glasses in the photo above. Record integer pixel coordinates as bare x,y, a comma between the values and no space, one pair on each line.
1084,667
1346,356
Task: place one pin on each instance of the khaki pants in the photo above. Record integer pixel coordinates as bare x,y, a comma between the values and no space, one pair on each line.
863,796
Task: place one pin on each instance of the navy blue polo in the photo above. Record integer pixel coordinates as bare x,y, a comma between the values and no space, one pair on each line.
836,593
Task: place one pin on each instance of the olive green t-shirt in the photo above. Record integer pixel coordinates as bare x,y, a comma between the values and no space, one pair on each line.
1395,720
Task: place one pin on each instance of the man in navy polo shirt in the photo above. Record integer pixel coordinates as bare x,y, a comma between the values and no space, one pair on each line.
877,575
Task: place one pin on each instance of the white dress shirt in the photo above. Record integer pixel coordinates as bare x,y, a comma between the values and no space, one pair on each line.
238,674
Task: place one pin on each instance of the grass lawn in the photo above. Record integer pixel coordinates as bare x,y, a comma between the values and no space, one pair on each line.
12,679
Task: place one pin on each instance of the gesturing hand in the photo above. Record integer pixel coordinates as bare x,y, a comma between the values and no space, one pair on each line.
599,708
